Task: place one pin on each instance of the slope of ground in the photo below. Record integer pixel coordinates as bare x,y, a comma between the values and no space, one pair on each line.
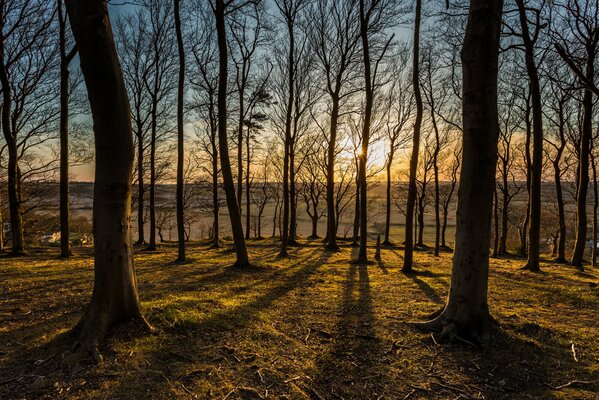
314,326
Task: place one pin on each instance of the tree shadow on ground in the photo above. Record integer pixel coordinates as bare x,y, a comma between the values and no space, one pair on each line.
351,368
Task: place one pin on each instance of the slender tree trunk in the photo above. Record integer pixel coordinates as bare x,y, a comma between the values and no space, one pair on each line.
288,121
420,218
114,299
65,242
274,221
331,235
505,198
14,201
534,236
141,188
356,227
409,240
292,198
180,135
387,241
363,156
247,185
561,244
234,214
466,314
152,243
496,224
583,170
595,209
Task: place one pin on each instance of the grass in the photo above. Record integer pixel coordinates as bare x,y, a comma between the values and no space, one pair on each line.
313,326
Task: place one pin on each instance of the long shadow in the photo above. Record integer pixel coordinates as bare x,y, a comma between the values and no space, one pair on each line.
425,287
352,368
208,332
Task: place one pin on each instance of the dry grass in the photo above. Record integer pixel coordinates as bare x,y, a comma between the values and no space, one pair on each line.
312,326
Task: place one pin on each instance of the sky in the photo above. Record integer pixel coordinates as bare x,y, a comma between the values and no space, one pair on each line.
85,173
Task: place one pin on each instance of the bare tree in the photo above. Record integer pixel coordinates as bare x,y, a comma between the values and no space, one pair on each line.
180,135
409,239
466,314
221,9
114,299
578,44
25,37
335,35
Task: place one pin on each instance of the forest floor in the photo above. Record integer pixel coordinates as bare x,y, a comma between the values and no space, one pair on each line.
313,326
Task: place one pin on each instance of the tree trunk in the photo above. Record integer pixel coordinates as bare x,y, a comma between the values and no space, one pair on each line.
288,120
247,185
466,314
534,236
152,243
331,235
496,225
141,189
583,170
292,198
595,209
14,201
561,244
234,214
180,135
387,241
356,225
411,201
65,243
114,299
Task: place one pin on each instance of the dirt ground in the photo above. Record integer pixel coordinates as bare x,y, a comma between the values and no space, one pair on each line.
314,326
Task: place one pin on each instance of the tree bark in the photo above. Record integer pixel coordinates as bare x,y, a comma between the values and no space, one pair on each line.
411,201
65,59
14,197
331,236
583,171
387,241
534,235
595,210
114,299
234,214
466,313
180,135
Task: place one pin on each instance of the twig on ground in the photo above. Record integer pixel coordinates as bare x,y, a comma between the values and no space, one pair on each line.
573,351
574,382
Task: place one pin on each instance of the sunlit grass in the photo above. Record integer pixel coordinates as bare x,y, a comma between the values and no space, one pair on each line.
313,323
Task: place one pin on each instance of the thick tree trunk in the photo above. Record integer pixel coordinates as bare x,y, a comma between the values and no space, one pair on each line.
466,313
234,214
114,298
180,136
411,201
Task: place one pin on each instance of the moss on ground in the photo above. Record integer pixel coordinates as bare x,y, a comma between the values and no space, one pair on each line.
313,326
